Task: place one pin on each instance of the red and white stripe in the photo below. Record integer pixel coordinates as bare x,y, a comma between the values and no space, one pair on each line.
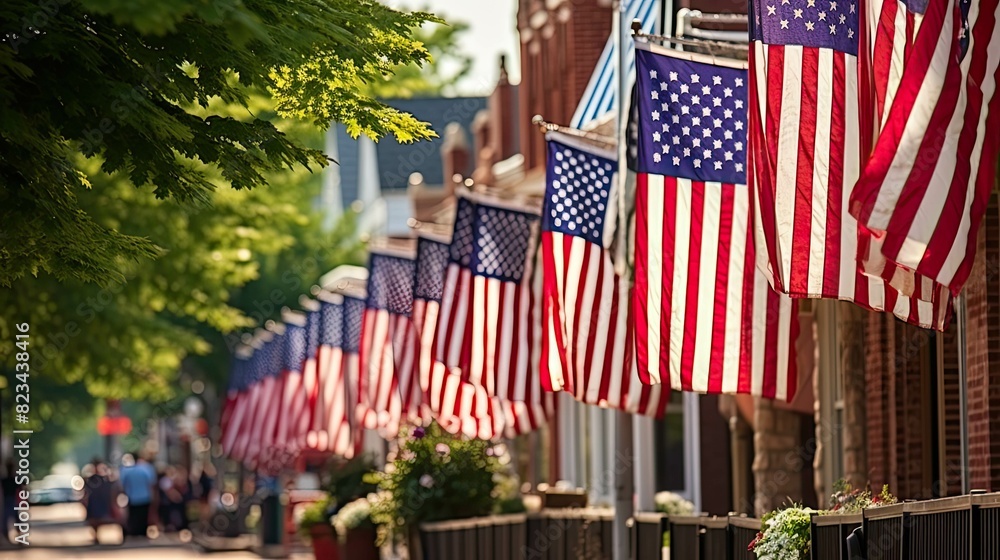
925,188
382,349
804,157
706,319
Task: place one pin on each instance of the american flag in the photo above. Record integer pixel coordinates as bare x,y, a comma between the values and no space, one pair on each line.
706,318
264,404
305,402
457,405
587,348
236,397
488,324
925,188
351,329
329,411
389,388
287,407
807,122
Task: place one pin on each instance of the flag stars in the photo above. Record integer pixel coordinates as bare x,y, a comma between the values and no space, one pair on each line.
665,148
687,152
739,167
833,6
677,160
696,100
728,92
728,134
738,146
784,23
843,19
738,125
654,95
652,74
705,111
695,121
684,88
697,163
771,10
717,123
664,86
665,127
850,33
821,16
718,165
717,80
833,30
685,109
798,13
673,76
717,144
738,82
696,142
707,154
811,3
656,158
705,90
695,78
852,8
706,132
739,103
656,115
727,113
656,137
717,102
728,156
810,25
676,140
676,119
686,131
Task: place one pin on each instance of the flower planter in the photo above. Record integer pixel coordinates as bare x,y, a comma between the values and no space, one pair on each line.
359,544
324,542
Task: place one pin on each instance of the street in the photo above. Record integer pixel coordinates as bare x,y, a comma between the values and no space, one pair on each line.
58,532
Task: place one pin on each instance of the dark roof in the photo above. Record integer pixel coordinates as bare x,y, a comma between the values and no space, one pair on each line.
397,161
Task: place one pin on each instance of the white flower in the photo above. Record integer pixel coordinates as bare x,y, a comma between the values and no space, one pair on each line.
673,504
427,481
352,515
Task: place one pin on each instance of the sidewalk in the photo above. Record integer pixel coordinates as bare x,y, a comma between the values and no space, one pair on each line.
58,532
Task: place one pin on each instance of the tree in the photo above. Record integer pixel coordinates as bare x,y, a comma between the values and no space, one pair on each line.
126,86
449,65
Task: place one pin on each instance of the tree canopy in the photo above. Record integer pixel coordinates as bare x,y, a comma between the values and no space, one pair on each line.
128,86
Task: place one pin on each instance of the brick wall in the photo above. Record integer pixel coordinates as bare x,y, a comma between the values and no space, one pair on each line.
900,422
560,46
778,462
983,355
950,411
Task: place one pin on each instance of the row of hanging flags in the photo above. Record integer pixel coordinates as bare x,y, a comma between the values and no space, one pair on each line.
847,158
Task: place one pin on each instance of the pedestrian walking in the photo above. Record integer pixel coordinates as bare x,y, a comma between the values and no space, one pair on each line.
99,495
139,484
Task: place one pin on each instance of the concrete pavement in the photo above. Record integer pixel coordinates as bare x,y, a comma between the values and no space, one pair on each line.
59,532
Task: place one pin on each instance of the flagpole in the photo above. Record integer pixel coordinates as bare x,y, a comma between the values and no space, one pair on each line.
622,461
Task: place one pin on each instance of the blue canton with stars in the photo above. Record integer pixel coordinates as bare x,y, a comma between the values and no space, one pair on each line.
312,333
432,260
830,24
577,187
273,356
461,236
501,240
295,347
354,311
390,284
692,119
331,324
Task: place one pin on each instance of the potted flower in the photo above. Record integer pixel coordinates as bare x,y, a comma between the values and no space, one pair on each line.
356,531
671,503
784,534
434,477
315,523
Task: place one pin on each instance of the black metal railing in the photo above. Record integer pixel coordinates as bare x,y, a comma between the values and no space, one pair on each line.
712,538
742,531
499,537
647,535
829,535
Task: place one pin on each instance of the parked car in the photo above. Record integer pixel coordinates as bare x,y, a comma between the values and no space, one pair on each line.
55,489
